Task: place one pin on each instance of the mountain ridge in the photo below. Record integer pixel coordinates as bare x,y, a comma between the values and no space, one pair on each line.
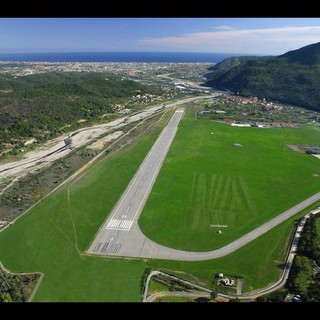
293,77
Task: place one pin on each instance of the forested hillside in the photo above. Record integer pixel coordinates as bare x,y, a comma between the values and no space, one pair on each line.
292,78
222,67
41,105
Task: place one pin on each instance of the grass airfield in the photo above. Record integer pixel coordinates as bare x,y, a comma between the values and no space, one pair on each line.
52,237
207,182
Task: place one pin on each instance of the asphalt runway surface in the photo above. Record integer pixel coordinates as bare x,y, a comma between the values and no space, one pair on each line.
113,235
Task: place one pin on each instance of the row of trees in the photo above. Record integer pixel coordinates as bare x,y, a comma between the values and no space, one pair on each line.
304,277
310,242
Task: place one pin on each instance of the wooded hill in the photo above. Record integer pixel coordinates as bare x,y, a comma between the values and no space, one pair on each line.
40,105
293,77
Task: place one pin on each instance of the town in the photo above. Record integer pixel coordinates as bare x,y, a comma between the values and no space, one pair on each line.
254,112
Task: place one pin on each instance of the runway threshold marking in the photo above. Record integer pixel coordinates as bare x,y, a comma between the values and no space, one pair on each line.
119,224
97,247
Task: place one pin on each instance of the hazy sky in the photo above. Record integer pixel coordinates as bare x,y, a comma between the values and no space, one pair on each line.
225,35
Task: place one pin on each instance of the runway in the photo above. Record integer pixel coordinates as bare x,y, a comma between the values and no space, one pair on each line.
115,231
120,234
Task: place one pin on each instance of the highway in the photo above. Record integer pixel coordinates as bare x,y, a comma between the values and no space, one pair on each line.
112,236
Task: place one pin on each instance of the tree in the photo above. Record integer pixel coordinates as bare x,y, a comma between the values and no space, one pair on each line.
213,294
202,299
5,297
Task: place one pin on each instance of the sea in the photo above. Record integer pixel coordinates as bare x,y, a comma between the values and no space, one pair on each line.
117,57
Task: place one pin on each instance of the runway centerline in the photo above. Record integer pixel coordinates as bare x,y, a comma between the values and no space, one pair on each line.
133,199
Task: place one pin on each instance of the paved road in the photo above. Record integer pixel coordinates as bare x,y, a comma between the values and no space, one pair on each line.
113,233
168,293
244,296
286,269
120,235
164,294
147,284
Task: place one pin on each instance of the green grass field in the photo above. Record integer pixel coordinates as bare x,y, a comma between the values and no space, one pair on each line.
258,262
207,181
52,236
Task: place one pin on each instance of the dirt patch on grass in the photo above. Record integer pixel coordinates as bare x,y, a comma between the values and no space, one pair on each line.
295,147
99,144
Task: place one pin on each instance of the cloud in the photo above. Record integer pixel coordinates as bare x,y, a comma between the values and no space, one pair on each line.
260,41
223,28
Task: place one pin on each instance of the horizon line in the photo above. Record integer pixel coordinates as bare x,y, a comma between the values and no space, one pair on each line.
125,51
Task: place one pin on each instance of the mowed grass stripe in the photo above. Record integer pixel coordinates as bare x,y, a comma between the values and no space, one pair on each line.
251,206
192,198
225,194
211,193
235,200
217,206
215,211
197,206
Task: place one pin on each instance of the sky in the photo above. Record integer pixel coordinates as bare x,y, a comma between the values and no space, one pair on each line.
270,36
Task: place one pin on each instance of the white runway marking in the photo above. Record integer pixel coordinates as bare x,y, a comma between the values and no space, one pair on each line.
114,223
130,204
119,224
126,224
